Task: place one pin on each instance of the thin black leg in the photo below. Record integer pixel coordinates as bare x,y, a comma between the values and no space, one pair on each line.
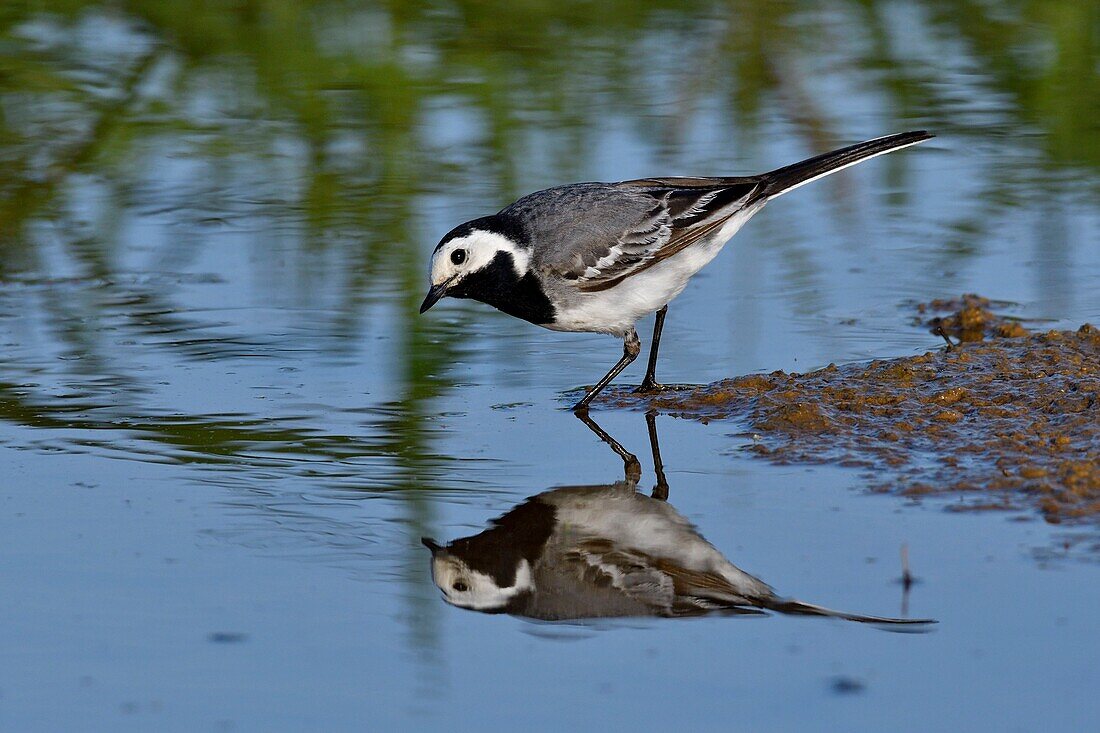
660,489
632,346
649,384
632,468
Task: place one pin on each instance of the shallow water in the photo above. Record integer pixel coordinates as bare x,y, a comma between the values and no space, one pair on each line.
225,428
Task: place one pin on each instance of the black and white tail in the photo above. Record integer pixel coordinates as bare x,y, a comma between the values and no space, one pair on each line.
788,178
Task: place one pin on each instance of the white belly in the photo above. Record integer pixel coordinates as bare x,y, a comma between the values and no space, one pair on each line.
617,309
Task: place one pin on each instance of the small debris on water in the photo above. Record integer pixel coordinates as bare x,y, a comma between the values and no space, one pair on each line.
843,685
226,637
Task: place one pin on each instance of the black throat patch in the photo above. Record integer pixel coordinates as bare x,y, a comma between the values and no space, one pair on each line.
497,285
518,535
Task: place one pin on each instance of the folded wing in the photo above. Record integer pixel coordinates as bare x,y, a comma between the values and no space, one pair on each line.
603,233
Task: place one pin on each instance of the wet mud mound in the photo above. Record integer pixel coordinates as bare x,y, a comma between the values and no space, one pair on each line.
1006,418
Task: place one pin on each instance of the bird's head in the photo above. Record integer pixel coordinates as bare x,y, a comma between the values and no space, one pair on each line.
477,257
471,589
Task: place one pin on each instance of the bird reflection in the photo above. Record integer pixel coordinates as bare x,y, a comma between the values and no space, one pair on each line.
587,552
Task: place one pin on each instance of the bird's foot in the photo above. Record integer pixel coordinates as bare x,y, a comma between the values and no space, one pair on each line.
650,386
581,408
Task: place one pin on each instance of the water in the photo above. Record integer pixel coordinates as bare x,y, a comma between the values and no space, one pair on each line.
225,428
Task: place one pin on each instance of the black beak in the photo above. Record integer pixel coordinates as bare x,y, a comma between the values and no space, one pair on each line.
434,294
431,544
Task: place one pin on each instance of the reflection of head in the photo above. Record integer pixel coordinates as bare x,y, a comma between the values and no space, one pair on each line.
465,587
490,571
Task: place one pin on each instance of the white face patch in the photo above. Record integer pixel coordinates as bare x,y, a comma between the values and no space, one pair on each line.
479,249
476,591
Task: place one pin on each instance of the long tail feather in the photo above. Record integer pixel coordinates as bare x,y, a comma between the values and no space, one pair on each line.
791,606
788,178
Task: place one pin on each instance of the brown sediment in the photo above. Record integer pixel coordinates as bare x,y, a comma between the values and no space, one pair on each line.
1006,419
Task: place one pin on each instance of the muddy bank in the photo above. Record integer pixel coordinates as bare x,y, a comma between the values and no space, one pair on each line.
1005,418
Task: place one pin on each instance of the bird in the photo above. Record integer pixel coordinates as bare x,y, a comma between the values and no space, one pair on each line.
596,257
606,551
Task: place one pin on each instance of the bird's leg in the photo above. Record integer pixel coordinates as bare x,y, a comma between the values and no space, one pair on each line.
632,468
632,346
660,489
649,384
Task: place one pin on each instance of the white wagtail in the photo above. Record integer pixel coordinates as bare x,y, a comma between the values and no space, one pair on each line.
604,551
597,257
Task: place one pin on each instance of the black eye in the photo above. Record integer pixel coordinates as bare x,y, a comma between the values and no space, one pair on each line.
458,256
459,585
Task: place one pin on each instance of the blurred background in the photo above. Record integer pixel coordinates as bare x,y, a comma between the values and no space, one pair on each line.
225,426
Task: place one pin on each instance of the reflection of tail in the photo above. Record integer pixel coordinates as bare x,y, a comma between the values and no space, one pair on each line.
782,180
791,606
